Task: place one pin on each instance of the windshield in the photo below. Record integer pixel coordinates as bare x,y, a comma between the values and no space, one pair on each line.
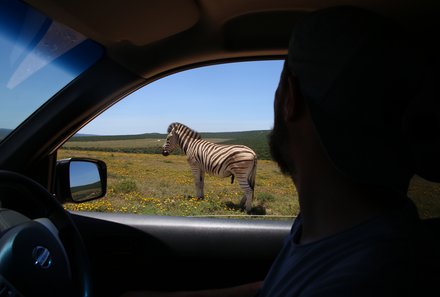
38,57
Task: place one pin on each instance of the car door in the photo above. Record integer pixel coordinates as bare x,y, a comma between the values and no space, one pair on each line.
151,231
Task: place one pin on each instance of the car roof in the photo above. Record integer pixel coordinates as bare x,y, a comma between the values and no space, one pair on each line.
152,37
146,40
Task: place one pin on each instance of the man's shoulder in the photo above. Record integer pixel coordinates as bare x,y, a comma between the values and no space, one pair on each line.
380,253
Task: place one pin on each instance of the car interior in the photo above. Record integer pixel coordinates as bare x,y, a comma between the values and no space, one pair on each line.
127,45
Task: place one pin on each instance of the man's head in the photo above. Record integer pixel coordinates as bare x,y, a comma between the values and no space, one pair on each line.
279,134
356,73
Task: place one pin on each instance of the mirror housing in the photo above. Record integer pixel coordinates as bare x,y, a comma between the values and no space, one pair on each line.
80,179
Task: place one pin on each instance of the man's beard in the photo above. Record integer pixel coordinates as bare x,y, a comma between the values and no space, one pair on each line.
277,144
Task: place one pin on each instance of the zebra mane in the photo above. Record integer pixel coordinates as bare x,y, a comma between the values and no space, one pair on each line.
181,128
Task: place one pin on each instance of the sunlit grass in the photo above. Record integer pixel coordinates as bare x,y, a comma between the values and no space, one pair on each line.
153,184
426,196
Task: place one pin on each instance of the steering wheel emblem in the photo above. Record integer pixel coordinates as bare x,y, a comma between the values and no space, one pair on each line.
42,257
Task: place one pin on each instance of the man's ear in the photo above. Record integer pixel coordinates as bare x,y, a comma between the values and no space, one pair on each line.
293,102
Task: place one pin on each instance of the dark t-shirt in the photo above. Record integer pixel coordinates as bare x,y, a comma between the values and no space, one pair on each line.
376,258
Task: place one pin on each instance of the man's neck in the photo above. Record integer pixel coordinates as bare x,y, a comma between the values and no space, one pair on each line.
334,204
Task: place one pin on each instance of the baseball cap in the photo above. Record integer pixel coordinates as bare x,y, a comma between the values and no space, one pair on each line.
358,72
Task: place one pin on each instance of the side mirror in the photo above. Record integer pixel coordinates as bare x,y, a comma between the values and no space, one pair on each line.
80,179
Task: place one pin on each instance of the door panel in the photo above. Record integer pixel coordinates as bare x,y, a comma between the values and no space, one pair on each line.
129,252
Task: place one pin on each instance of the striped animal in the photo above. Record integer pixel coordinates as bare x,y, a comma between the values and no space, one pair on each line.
216,159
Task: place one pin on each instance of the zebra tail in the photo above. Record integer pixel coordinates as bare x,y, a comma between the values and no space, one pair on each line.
232,179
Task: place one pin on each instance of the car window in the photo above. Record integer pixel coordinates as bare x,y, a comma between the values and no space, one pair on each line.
227,104
38,57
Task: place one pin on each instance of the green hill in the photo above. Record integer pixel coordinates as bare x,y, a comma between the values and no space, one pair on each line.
77,138
151,143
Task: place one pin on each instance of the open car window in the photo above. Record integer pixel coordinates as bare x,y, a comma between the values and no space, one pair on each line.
230,104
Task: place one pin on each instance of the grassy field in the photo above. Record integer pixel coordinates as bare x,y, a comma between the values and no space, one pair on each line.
141,180
426,196
153,184
151,143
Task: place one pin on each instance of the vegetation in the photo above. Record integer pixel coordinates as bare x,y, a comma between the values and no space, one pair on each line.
153,184
426,196
151,143
142,181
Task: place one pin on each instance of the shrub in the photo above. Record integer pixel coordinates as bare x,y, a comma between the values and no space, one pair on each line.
125,186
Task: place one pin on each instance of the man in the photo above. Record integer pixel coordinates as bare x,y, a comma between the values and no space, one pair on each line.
339,108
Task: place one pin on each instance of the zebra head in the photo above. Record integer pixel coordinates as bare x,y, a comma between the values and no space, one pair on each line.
171,143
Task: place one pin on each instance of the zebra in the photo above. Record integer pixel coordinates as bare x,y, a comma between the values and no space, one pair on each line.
215,159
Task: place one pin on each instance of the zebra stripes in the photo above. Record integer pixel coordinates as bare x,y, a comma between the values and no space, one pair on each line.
237,161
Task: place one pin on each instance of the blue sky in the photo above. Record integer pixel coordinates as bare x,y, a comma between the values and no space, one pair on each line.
219,98
226,97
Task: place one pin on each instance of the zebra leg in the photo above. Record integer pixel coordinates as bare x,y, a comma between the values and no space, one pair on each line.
246,180
249,193
199,180
246,200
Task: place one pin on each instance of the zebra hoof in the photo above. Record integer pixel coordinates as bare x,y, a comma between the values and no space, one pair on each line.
246,210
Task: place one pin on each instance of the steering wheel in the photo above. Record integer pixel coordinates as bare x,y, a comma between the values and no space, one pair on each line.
42,256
